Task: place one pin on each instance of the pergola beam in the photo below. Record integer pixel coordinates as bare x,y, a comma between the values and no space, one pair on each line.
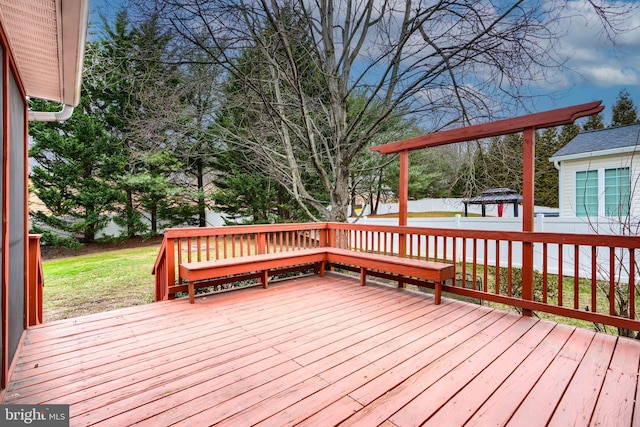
546,119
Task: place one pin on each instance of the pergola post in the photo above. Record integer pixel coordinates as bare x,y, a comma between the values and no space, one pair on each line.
528,175
403,205
403,188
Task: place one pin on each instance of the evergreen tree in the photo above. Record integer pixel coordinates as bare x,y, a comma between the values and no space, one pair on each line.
567,133
546,175
430,173
594,122
503,168
76,163
142,101
624,111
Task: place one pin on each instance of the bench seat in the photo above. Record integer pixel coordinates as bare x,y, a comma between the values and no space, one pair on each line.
435,272
203,270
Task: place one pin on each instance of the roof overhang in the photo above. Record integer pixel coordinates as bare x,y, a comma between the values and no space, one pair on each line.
592,154
47,40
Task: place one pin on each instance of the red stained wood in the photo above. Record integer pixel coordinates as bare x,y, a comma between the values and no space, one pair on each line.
619,386
436,392
545,119
322,351
539,404
578,401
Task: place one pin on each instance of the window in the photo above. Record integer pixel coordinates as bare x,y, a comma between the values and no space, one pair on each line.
617,189
587,193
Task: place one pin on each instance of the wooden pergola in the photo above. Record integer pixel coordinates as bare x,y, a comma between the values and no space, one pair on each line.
526,124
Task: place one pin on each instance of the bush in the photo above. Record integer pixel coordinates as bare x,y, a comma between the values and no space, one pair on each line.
49,238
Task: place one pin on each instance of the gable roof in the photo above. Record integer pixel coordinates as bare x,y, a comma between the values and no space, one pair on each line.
617,140
47,39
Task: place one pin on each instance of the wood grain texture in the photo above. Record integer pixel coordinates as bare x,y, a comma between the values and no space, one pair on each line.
325,351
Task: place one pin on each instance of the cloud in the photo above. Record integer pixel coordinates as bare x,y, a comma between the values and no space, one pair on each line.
608,76
595,56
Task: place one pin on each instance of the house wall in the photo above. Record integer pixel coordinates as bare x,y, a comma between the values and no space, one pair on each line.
13,211
568,169
16,210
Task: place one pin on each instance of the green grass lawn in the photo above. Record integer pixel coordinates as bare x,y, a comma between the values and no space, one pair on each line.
100,282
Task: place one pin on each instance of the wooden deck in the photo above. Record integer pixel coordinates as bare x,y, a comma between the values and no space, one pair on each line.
324,351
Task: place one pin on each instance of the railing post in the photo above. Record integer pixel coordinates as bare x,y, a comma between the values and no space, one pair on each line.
331,237
35,282
323,234
170,256
528,168
402,252
262,242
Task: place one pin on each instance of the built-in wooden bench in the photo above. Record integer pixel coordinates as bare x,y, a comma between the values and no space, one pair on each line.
206,270
435,272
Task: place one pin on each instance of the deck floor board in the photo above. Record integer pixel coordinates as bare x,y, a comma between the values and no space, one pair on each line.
325,351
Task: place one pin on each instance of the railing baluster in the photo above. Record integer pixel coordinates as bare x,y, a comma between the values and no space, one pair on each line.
464,263
560,274
410,245
497,267
454,252
475,264
545,273
426,247
594,284
632,284
444,250
208,243
510,268
612,282
576,276
486,265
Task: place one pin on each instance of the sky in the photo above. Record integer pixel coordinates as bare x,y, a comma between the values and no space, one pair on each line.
597,66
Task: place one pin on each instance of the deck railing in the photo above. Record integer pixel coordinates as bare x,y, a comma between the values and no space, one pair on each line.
35,282
213,243
588,277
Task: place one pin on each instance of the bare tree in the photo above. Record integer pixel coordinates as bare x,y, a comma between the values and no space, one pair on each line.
445,62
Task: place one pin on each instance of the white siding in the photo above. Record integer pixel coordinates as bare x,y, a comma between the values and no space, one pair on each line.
568,179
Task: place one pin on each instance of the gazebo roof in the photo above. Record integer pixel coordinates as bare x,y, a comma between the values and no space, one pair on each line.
495,196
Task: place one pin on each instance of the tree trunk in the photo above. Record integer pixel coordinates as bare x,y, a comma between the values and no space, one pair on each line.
129,213
202,215
340,196
154,218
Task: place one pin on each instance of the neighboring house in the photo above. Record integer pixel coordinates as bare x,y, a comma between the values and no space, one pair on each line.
42,46
598,173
